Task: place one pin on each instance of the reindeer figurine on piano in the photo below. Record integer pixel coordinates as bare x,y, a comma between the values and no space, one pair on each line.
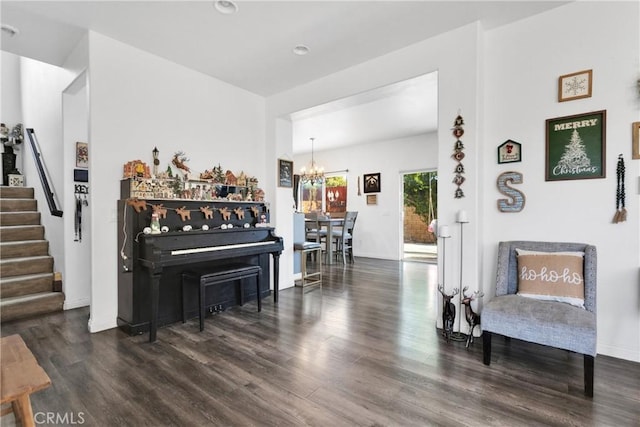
448,312
473,319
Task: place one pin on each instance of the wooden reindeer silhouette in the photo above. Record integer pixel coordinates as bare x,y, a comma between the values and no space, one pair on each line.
207,211
184,213
255,211
226,214
161,211
473,319
239,212
448,312
138,205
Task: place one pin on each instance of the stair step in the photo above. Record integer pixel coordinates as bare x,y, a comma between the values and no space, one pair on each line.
17,233
30,305
26,269
16,192
18,205
25,285
19,218
28,265
24,248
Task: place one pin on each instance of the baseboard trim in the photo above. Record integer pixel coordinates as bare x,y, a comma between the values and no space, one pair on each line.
99,327
70,305
619,353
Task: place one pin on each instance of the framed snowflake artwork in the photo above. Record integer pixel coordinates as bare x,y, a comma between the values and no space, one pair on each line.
575,85
575,146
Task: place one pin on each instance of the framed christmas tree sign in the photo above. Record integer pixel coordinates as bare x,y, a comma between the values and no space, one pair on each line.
575,147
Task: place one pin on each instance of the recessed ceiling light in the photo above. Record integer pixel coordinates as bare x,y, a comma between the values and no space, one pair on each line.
226,7
10,30
301,50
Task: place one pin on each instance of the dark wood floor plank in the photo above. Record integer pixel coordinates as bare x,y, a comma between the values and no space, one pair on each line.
362,350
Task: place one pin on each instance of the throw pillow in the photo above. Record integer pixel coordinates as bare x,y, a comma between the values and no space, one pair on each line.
554,276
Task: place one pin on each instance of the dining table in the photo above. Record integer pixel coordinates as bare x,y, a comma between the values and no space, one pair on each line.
328,223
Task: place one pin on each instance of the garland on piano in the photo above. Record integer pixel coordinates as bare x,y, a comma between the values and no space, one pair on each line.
184,213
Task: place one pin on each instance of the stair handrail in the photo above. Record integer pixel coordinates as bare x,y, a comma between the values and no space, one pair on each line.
45,178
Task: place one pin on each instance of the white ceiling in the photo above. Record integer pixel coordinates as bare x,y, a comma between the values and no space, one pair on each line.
252,49
396,111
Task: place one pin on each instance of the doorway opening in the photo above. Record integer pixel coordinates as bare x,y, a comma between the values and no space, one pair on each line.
420,207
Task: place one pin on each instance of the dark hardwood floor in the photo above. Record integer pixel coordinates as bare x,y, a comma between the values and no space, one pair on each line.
363,350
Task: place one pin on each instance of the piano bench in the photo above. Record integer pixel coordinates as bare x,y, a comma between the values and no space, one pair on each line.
224,274
305,248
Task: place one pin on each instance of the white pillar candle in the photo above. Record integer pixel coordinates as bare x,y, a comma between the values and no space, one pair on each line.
443,231
462,216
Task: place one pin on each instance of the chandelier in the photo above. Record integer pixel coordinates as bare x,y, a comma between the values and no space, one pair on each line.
315,174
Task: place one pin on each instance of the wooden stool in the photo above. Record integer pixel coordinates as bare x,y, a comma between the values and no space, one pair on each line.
21,376
227,273
305,248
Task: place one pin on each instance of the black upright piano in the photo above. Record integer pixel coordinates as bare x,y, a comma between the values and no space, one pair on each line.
151,265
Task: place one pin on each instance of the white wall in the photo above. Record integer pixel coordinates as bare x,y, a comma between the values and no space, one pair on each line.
523,62
11,102
283,200
77,260
41,90
504,81
41,85
378,228
75,127
455,56
140,101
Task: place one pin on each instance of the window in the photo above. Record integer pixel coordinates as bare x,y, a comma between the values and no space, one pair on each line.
335,194
330,196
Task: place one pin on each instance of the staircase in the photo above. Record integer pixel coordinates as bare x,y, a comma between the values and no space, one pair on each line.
26,268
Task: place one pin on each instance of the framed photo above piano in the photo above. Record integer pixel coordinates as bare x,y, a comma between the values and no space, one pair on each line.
285,173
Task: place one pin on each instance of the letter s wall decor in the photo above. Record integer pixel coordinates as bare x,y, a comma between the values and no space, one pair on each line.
516,199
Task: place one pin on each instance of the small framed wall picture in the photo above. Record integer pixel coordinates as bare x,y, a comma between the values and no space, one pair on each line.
509,152
372,182
82,155
635,128
285,173
575,85
80,175
372,199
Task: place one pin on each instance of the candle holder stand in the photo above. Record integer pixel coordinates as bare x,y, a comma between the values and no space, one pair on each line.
459,335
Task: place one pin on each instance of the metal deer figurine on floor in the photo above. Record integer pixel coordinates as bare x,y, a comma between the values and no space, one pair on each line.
473,319
448,312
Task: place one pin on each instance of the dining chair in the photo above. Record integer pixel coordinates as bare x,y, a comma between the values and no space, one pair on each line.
343,238
313,232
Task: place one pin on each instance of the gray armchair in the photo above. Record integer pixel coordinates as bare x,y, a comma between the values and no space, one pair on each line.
551,323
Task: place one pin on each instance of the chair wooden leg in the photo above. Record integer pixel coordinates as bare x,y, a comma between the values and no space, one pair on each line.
351,260
22,410
344,253
486,347
588,375
303,265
